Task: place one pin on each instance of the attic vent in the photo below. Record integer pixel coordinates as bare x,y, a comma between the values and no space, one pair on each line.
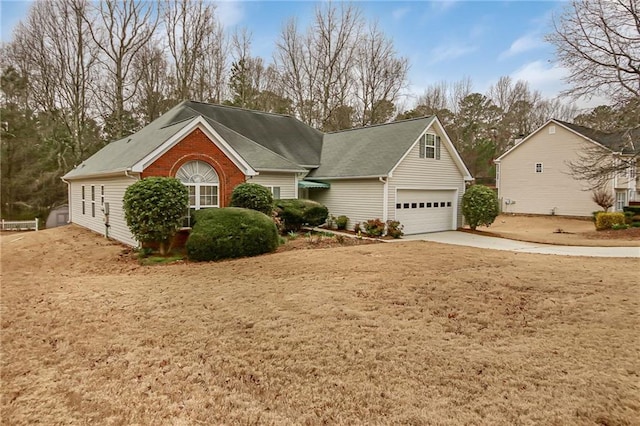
552,130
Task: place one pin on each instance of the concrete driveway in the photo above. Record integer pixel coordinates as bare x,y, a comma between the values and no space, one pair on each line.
493,243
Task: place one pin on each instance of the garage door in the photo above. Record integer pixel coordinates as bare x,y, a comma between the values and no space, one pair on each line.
425,211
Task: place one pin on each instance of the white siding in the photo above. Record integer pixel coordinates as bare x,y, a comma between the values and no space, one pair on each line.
114,193
286,182
552,190
414,172
358,199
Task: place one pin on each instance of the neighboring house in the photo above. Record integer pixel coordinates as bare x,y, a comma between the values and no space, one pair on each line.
407,170
534,176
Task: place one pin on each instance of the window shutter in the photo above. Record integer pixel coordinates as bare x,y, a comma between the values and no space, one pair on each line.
423,148
437,147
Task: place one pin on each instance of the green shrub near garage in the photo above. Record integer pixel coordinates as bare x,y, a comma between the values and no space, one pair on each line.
480,206
231,232
296,213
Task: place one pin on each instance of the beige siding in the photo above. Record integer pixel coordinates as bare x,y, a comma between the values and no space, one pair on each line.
552,190
114,192
358,199
414,172
286,182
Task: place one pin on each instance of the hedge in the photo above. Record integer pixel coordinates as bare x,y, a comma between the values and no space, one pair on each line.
296,213
231,232
252,196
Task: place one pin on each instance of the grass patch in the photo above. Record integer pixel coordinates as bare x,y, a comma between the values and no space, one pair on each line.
160,260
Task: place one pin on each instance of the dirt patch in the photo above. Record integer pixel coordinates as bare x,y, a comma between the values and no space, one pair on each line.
560,231
411,333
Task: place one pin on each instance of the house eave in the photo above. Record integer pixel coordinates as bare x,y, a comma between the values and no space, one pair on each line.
107,174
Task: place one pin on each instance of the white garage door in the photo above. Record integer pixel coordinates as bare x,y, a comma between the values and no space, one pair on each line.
425,211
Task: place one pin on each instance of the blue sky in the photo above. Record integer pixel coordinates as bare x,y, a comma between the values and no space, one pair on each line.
444,40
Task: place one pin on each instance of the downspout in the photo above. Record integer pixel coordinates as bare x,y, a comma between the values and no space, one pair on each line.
126,173
69,219
385,198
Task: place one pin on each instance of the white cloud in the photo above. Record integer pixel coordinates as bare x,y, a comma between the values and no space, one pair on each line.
230,13
398,14
545,77
443,5
523,44
449,52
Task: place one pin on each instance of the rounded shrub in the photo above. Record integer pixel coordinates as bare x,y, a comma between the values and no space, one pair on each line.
154,208
480,206
252,196
296,213
231,232
609,220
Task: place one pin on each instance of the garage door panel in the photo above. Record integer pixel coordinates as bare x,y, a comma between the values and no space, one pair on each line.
425,210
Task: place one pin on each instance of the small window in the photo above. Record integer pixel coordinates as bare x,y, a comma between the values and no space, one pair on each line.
398,206
83,200
428,205
448,203
93,201
435,205
275,191
422,205
102,195
430,146
443,204
538,167
406,205
414,205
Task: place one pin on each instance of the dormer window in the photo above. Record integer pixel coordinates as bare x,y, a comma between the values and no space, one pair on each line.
430,146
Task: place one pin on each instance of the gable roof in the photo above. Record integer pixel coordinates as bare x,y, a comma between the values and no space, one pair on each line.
124,154
625,142
375,151
258,141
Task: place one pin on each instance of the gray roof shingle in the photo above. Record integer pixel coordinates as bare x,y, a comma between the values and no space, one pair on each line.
368,151
626,142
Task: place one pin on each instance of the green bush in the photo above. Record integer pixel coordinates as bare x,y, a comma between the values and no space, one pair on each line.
634,209
342,222
608,220
394,229
618,227
154,208
297,213
252,196
374,228
480,206
230,233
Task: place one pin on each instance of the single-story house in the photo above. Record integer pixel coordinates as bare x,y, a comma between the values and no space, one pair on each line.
534,176
406,170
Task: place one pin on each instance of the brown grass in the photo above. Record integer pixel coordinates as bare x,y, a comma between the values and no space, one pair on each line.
412,333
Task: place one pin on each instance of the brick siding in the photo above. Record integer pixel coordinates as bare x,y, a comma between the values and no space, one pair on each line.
197,146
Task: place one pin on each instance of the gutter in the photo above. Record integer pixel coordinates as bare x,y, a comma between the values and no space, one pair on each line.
69,219
385,198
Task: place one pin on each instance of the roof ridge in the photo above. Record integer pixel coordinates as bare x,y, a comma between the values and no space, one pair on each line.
380,124
240,109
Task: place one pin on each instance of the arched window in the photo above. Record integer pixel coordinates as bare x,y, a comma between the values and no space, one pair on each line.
202,181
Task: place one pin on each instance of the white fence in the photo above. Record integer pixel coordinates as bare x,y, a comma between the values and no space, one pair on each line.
20,225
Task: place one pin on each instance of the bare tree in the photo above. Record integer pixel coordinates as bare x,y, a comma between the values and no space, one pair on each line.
598,41
151,73
121,30
55,44
317,66
381,76
190,26
603,198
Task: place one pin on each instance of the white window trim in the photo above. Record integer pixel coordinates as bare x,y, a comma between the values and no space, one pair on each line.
84,210
93,201
272,188
433,143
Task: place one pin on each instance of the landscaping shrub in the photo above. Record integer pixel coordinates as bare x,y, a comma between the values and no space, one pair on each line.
374,228
230,233
594,215
608,220
357,228
394,229
154,208
252,196
634,209
342,222
297,213
480,206
618,227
